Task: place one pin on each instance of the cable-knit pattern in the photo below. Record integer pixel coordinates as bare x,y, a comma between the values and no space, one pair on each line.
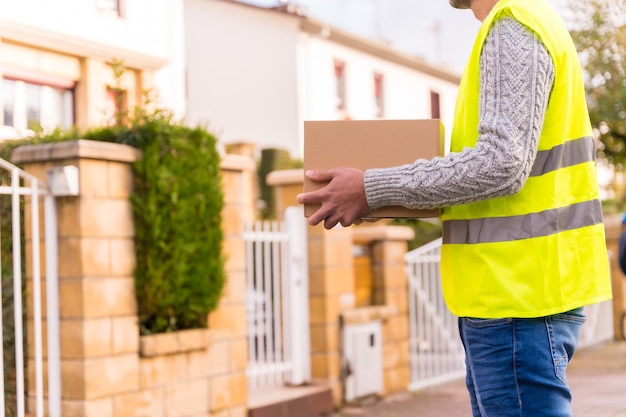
516,78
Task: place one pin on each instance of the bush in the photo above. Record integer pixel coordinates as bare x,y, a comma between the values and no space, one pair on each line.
177,203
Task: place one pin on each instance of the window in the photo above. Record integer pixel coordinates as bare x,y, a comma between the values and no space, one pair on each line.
29,105
435,107
379,94
340,85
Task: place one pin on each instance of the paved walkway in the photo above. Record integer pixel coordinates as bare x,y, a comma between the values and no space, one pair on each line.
597,376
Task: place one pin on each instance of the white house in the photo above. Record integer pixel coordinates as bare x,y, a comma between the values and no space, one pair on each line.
256,74
55,60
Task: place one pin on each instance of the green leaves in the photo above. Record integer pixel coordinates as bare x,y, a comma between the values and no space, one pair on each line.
600,36
177,203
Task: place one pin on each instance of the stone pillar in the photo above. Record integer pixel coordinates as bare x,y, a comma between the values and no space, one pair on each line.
287,185
98,312
388,246
228,389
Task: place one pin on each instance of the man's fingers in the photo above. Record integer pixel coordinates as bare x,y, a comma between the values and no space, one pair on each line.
320,175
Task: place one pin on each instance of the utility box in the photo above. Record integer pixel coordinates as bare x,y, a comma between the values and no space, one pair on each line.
362,360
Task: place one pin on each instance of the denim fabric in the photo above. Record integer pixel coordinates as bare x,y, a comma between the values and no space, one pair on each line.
516,367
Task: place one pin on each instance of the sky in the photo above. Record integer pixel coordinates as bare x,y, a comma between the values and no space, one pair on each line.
429,29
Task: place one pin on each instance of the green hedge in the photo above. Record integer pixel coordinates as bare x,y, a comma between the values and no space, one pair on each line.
177,203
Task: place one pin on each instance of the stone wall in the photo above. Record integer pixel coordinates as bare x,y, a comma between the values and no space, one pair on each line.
107,369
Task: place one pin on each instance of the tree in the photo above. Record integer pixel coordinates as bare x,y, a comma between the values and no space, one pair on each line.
599,32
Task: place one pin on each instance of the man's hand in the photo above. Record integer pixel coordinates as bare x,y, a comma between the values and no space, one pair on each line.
342,200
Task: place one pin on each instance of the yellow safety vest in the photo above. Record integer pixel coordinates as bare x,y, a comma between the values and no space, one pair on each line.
541,251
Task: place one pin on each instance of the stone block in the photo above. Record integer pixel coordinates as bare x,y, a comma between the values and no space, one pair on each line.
187,398
330,253
125,334
234,250
396,328
391,355
161,370
235,288
324,337
218,356
232,182
197,364
68,210
193,339
86,338
391,277
101,217
324,309
120,180
95,257
159,344
110,376
73,379
331,281
325,365
232,220
398,298
88,408
389,253
148,403
70,254
93,178
238,355
231,318
396,380
228,391
97,297
123,254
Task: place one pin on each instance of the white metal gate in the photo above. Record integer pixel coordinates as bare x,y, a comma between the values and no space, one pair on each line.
277,301
436,351
24,190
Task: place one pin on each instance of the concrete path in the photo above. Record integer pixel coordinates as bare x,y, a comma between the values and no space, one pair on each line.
597,376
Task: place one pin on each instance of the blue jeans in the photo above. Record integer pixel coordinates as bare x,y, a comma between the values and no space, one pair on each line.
516,367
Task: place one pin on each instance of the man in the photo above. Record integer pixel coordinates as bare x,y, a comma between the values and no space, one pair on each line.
523,240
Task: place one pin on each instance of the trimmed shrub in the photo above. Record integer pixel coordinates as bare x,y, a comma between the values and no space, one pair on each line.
177,203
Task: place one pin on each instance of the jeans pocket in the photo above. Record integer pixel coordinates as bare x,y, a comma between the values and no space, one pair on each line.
563,330
481,323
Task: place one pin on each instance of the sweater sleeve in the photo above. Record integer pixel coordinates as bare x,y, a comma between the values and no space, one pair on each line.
516,78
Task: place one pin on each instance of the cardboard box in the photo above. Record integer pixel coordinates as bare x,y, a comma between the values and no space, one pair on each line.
367,144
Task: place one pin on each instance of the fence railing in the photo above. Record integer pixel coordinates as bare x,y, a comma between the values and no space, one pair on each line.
17,189
436,352
277,301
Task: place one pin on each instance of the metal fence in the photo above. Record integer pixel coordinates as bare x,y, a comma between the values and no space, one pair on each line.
277,301
24,190
436,352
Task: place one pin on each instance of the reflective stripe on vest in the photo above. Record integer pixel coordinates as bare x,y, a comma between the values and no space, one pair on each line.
568,154
504,229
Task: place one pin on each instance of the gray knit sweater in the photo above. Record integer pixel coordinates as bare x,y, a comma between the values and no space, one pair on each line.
516,78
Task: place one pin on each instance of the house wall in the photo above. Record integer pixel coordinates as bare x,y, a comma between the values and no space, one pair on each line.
256,75
241,73
72,43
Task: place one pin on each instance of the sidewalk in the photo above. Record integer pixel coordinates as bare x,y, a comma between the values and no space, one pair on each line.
597,376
